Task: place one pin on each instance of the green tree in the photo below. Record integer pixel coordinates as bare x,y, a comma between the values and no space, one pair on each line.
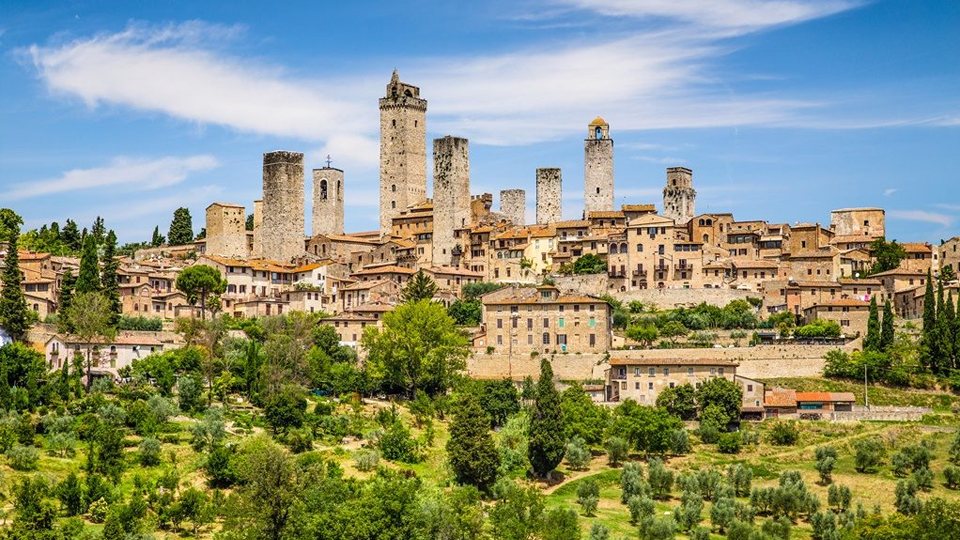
88,280
582,417
546,446
157,239
89,316
928,342
646,334
67,284
518,513
286,408
472,453
198,282
886,327
588,495
826,457
13,304
617,450
673,331
648,429
111,282
466,312
872,339
181,228
725,394
679,401
70,493
270,487
888,255
420,287
419,347
70,236
589,264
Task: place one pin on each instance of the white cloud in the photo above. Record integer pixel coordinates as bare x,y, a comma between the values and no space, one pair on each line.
889,191
724,14
133,173
924,216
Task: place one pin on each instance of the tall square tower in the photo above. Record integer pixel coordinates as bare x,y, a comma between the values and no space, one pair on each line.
403,150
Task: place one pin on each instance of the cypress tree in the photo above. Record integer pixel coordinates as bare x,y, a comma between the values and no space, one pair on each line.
13,305
70,236
98,230
944,333
111,284
89,278
886,327
157,239
545,446
872,341
420,287
67,284
927,353
473,455
181,228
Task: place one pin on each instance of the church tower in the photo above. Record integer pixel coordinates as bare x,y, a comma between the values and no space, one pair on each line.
679,197
403,150
327,201
598,167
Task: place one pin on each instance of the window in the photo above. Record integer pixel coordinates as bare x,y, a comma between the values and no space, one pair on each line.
529,324
637,385
713,371
666,371
651,372
650,386
546,338
672,384
499,340
593,340
636,372
499,323
690,371
593,322
720,371
529,339
546,322
749,388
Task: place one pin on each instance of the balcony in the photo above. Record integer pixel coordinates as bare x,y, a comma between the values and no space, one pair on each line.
683,266
616,274
640,272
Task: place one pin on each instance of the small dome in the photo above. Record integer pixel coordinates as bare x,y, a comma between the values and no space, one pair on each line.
599,122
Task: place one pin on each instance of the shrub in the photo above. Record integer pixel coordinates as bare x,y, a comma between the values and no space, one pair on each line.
641,508
577,454
740,478
367,460
23,458
906,501
784,433
952,475
395,444
869,454
98,510
617,450
679,442
660,479
839,497
729,443
588,496
632,482
826,459
300,440
149,452
924,478
709,433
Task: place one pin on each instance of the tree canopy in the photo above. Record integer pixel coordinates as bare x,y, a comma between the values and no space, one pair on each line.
181,228
420,287
200,281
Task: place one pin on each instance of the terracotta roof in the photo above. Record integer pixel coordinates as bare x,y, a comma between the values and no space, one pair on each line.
24,255
813,283
722,362
571,224
454,271
864,281
638,208
598,122
899,272
848,238
232,205
361,285
780,397
843,302
351,239
350,316
603,214
388,269
755,264
378,307
825,396
916,247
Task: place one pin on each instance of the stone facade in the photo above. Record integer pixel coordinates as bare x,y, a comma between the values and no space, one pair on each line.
513,205
950,254
868,222
327,201
226,230
283,206
403,150
451,194
679,197
549,208
598,167
257,251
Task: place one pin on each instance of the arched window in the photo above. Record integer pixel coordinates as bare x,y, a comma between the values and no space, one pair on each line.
393,204
36,307
623,247
598,133
706,238
613,249
323,189
702,222
598,191
393,188
546,338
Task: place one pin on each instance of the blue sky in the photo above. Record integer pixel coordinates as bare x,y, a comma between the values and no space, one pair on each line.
784,109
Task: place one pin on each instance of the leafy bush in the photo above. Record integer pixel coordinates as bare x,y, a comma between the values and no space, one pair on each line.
826,457
23,458
396,445
680,442
729,443
367,460
98,510
577,454
784,433
151,324
617,450
952,475
588,496
869,454
300,440
149,452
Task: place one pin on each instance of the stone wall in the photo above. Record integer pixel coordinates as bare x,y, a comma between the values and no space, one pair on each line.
576,367
679,197
858,221
598,173
327,210
549,192
760,362
451,194
283,206
257,251
598,285
226,230
513,205
403,151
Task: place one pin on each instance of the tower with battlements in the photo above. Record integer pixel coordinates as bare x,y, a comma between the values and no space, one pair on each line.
403,150
598,167
282,231
451,195
513,205
549,195
679,197
327,211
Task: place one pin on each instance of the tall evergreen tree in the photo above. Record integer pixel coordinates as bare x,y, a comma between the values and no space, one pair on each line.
89,278
950,329
872,340
420,287
927,352
13,305
70,236
943,336
98,230
181,228
472,453
157,240
545,446
111,283
67,285
886,327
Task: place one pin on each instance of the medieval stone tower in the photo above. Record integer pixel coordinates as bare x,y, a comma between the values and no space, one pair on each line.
256,251
327,201
598,167
403,150
451,195
549,208
282,236
513,205
679,197
227,230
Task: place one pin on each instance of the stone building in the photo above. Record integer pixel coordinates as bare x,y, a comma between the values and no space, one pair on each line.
327,201
549,206
403,150
521,320
598,167
851,314
451,195
226,230
950,255
679,197
853,222
642,379
283,206
256,250
513,205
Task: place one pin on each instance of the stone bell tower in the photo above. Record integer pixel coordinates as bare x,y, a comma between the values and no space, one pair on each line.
679,197
403,150
598,167
327,211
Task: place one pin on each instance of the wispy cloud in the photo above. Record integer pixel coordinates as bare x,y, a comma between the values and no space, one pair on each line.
946,206
924,216
132,173
889,191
